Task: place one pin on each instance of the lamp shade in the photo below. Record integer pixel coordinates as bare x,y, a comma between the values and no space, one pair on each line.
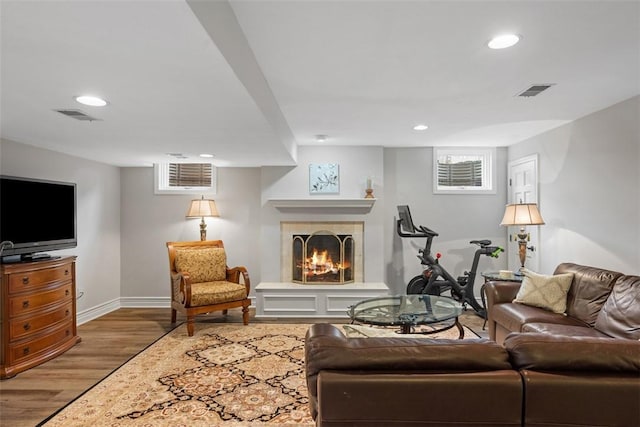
201,208
522,214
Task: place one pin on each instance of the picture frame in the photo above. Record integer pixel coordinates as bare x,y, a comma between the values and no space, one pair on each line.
324,178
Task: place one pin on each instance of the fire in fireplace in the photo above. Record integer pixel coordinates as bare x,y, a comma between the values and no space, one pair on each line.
323,257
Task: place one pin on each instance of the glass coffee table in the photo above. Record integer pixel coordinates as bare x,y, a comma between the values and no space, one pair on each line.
409,311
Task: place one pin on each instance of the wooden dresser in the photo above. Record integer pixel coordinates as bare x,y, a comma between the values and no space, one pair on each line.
38,319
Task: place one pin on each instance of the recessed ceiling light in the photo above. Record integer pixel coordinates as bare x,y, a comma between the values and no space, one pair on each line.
321,138
92,101
206,156
503,41
420,127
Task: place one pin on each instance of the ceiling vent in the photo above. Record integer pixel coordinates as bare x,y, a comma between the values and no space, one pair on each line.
77,114
534,90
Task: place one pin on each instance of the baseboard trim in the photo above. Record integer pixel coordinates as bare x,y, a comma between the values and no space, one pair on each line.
127,302
85,316
145,302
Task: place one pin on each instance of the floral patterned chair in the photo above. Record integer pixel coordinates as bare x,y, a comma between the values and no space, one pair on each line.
201,282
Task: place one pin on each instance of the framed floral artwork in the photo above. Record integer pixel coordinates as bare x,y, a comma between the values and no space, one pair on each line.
324,178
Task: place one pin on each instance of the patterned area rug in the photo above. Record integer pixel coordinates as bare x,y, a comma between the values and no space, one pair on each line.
227,374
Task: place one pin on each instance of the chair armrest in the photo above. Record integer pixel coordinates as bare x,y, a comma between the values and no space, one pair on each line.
181,287
499,292
233,275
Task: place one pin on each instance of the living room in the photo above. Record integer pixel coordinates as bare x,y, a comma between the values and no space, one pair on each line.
123,226
588,179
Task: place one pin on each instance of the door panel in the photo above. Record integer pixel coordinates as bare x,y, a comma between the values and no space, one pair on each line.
523,188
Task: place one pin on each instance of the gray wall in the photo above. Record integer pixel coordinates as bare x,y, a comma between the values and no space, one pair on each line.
456,218
98,215
589,190
150,220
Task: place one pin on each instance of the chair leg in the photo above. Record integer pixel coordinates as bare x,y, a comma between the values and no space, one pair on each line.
173,315
190,322
245,314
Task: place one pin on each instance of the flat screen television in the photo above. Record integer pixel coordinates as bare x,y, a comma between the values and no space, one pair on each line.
36,216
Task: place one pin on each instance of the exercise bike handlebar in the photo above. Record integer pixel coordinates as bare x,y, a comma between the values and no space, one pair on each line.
420,231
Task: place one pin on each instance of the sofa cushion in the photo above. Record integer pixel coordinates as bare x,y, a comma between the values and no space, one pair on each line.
566,330
208,293
620,314
589,290
548,292
546,352
514,316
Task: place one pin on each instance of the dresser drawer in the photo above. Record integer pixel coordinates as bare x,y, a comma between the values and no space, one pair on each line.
21,282
31,325
29,348
23,304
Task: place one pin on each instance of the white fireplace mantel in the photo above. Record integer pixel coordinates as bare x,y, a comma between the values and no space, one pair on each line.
357,205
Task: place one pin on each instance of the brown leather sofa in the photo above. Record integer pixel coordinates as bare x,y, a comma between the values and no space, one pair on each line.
600,303
534,379
577,381
409,382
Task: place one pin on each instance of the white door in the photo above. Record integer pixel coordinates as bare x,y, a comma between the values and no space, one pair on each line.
523,188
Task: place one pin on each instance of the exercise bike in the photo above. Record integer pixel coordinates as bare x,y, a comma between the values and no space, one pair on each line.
434,278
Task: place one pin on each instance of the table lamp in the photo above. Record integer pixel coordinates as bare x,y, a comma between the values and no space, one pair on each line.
200,208
522,214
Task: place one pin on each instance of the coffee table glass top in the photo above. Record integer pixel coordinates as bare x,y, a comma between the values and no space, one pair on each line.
405,310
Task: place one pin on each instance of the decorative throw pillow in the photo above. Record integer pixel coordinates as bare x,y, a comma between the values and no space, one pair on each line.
203,265
548,292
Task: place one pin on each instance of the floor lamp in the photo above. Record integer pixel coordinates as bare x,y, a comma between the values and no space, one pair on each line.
522,214
200,208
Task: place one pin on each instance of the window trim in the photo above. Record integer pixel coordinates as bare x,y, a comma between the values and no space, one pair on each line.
161,181
488,170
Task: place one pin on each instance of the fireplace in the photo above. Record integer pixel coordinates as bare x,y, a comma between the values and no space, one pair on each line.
318,253
322,257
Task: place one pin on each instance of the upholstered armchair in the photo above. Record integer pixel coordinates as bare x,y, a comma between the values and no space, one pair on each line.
201,282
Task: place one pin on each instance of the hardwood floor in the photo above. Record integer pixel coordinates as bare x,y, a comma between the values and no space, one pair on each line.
107,342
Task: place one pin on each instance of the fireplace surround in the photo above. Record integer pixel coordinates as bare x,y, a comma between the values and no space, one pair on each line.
316,299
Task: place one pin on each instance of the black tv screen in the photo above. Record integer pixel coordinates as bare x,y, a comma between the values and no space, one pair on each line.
36,215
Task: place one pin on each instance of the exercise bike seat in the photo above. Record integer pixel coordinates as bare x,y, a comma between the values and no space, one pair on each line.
481,242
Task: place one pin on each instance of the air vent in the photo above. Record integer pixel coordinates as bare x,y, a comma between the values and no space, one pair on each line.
177,156
535,90
77,114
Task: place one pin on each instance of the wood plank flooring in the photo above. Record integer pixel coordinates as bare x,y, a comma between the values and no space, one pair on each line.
107,342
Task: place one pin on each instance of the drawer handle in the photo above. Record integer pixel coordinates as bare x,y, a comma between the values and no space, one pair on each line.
66,292
25,351
26,326
67,312
25,280
25,304
68,332
66,272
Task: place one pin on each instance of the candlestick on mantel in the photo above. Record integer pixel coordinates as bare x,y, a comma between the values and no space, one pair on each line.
369,190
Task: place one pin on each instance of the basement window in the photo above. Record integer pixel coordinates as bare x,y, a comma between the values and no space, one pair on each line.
460,170
185,178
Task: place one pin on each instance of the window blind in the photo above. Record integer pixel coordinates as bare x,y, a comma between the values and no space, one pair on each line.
462,174
190,174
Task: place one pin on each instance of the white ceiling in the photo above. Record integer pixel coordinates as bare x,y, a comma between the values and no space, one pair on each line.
248,81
